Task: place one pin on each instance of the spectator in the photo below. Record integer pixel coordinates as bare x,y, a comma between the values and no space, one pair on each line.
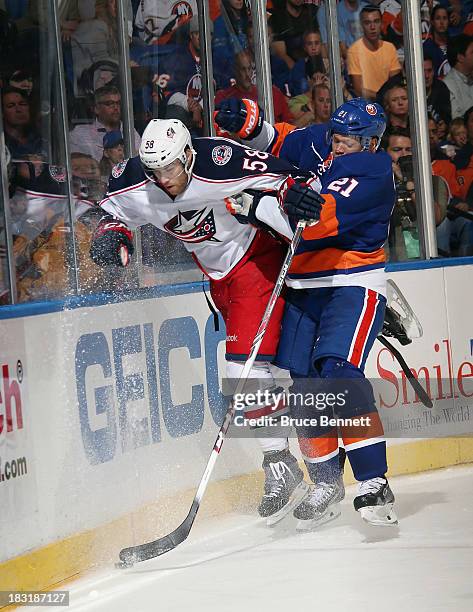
349,26
322,103
403,236
457,135
459,79
397,107
455,233
289,20
113,153
403,241
371,61
314,108
438,94
442,126
159,23
184,85
463,160
21,137
231,31
437,42
88,138
312,68
87,181
244,88
392,28
280,73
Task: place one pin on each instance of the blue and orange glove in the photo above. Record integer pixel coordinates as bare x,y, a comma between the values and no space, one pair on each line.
241,117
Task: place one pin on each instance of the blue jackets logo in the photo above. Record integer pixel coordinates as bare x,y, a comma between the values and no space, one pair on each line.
193,226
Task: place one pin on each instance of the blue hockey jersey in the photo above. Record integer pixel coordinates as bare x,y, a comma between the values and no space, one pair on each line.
346,246
359,198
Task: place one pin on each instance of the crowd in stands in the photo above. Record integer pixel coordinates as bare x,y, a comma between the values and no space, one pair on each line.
166,75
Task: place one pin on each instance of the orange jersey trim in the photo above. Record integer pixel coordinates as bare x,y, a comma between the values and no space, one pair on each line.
334,259
328,223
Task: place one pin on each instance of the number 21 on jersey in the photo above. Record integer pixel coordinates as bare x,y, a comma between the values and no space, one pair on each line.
337,186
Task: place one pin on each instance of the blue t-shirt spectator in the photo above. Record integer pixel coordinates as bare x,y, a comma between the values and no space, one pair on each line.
349,26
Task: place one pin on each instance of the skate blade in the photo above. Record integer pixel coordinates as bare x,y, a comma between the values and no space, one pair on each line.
379,515
297,496
332,513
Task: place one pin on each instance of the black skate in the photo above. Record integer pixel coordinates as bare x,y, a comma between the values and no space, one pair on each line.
320,506
284,486
375,502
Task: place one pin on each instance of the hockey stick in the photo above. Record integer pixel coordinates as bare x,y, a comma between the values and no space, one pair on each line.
415,384
143,552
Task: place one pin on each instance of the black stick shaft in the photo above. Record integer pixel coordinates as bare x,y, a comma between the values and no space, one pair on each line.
415,384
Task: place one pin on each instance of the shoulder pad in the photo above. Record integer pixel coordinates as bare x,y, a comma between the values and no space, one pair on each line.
217,158
51,181
125,174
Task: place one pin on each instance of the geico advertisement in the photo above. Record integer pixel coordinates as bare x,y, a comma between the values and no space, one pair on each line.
139,383
17,483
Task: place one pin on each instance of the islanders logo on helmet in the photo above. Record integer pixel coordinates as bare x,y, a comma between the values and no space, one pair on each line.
371,109
170,133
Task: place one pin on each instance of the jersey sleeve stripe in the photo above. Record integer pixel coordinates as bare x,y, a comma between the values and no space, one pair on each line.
114,193
39,194
242,178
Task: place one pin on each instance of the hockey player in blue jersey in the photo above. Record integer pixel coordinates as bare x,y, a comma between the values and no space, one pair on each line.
179,185
336,301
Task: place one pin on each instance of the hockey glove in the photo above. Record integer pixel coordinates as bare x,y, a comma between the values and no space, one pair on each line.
112,243
241,117
299,201
243,206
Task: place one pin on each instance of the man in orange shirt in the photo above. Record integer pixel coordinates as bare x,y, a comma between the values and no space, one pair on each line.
371,61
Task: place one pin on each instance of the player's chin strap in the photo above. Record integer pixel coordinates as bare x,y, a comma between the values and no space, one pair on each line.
189,165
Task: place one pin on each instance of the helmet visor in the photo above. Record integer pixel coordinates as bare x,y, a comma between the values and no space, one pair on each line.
171,171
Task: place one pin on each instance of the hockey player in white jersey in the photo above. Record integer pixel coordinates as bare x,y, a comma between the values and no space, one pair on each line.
180,186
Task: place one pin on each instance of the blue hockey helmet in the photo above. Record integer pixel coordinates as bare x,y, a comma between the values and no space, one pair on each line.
358,118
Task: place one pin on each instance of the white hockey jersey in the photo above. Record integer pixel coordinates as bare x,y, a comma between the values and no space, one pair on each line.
39,204
198,217
158,20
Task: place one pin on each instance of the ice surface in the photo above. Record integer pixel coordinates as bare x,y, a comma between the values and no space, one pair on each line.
236,563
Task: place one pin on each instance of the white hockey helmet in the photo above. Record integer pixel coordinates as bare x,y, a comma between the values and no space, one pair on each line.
165,141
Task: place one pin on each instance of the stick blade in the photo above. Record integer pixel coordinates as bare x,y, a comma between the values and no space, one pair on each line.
401,306
156,548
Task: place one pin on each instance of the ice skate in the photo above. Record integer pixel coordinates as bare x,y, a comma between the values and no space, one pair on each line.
375,502
284,486
320,506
